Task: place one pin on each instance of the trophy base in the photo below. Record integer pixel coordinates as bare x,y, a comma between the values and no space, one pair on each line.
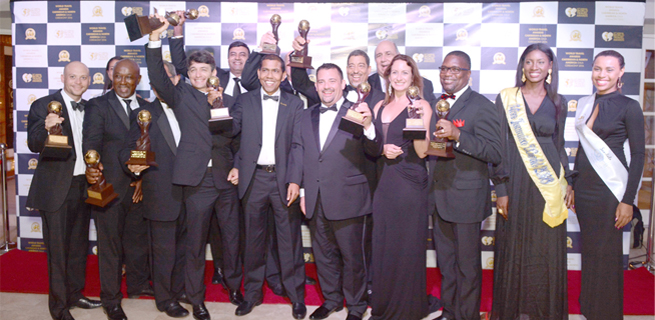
269,48
142,158
101,197
303,62
440,148
218,125
414,133
56,147
352,122
137,26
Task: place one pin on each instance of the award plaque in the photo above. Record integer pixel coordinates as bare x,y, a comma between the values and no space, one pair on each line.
441,147
220,120
353,121
271,48
142,155
56,145
300,59
414,128
101,193
139,26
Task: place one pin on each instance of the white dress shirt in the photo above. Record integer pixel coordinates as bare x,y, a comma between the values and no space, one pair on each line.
383,83
172,121
229,87
134,104
457,94
326,120
76,122
270,109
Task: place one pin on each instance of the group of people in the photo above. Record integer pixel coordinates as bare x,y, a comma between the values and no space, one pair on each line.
367,194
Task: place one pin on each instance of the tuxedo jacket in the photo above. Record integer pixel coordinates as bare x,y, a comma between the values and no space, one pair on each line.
197,144
248,122
105,129
428,88
52,177
304,85
338,170
162,199
460,186
250,80
179,60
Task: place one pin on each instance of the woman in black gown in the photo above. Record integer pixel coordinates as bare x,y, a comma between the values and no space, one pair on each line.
602,217
400,203
530,255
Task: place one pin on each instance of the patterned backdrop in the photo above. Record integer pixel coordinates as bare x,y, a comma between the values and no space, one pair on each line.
49,34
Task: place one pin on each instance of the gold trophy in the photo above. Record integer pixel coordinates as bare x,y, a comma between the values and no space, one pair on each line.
56,145
300,59
220,120
139,26
441,147
353,121
414,128
142,155
271,48
101,193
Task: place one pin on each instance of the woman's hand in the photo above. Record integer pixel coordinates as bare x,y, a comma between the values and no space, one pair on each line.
391,151
623,215
570,198
501,206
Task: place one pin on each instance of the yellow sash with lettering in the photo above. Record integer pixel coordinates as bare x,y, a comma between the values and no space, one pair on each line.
553,189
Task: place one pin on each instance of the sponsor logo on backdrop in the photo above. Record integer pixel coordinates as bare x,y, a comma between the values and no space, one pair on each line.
424,11
344,11
613,36
31,98
30,34
576,35
424,57
349,35
490,263
95,56
126,11
571,12
382,34
95,250
607,36
577,12
493,196
31,165
499,58
97,11
571,152
238,34
203,11
31,12
35,228
574,83
463,10
64,56
488,241
32,77
538,12
462,34
569,242
167,55
68,34
98,78
573,105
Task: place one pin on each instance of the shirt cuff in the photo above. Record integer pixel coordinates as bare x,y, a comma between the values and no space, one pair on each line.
154,44
302,192
177,37
370,132
257,50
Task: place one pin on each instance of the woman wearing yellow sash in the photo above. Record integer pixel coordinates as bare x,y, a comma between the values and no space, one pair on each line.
605,191
530,247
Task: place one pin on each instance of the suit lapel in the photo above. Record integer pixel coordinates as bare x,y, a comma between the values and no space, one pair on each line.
335,125
68,130
165,127
256,113
374,81
459,104
118,108
282,114
316,114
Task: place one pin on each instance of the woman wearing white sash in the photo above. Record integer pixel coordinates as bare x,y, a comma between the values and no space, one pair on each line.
530,245
613,118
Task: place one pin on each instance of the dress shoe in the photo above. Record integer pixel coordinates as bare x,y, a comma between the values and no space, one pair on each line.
218,277
434,304
175,310
236,298
323,312
200,312
183,299
299,310
66,315
114,312
278,290
147,291
310,281
246,307
353,317
86,303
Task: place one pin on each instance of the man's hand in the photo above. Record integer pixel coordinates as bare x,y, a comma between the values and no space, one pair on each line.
501,206
138,193
178,30
136,168
214,94
92,175
299,43
391,151
570,198
302,205
154,35
51,120
448,130
233,176
293,190
366,112
267,38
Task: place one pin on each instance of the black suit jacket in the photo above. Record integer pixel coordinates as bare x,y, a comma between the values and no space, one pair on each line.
197,144
162,199
428,88
248,122
52,177
460,186
179,60
338,171
105,129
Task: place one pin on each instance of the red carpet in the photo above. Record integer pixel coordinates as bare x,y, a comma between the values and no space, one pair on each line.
26,272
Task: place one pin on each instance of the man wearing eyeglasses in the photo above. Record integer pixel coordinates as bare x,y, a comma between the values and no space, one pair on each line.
460,187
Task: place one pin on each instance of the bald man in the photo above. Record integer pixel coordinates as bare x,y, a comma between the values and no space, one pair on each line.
57,191
122,229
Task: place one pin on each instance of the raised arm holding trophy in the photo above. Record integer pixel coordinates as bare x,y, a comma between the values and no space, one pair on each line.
139,26
353,121
271,48
56,144
300,59
220,121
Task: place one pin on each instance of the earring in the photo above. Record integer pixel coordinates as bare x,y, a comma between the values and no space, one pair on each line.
619,84
523,78
549,77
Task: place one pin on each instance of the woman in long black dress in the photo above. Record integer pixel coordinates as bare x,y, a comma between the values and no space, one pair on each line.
614,118
400,203
530,255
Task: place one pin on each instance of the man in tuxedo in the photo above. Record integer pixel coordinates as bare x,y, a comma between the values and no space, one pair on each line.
201,167
460,187
268,173
58,192
121,226
384,52
162,200
337,198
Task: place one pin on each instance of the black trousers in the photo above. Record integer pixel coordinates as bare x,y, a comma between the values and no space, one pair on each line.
458,258
340,257
66,237
167,239
263,194
200,202
122,239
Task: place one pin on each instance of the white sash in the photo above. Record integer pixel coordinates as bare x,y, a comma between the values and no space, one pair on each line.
608,167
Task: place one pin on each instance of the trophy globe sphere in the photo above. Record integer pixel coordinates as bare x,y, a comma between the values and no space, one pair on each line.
413,92
144,116
365,87
92,157
443,106
54,107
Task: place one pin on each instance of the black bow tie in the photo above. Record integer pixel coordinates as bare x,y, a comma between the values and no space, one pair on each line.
274,98
332,108
77,105
350,88
446,96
